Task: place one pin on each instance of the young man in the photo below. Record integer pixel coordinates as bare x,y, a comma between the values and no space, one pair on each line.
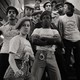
69,26
45,39
60,8
37,4
53,5
28,10
8,31
35,19
47,6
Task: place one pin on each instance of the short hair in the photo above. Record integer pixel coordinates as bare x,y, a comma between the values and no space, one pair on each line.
53,2
45,13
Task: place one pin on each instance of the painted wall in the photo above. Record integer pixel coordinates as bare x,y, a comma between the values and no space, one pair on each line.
19,4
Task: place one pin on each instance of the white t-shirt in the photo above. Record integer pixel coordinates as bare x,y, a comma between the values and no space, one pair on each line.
8,32
71,31
45,33
19,46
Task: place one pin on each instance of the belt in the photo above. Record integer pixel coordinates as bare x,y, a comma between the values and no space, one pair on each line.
43,55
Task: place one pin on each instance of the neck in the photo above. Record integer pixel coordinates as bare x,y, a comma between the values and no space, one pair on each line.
46,27
69,14
61,13
12,22
23,35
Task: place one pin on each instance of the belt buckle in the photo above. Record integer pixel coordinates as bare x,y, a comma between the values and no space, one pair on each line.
41,56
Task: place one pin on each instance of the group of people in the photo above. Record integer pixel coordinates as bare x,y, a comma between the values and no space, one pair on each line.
40,44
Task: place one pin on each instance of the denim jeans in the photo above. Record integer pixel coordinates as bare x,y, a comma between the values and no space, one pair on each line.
49,62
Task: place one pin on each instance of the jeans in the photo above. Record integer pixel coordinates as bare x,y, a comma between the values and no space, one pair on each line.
48,62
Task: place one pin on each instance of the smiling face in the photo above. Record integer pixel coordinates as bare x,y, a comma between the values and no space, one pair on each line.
25,28
11,14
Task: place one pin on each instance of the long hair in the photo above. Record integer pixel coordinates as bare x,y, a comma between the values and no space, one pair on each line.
70,6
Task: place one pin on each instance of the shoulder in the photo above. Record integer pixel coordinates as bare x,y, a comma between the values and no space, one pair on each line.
15,39
37,29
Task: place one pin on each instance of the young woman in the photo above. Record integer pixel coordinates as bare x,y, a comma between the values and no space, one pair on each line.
20,50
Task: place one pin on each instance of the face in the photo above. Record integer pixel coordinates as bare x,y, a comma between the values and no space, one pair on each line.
53,6
65,8
46,20
55,15
60,8
28,12
25,28
48,7
11,14
36,17
37,1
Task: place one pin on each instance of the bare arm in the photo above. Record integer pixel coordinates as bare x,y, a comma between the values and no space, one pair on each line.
12,62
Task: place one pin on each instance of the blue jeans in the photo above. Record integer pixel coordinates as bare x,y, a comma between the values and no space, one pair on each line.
49,62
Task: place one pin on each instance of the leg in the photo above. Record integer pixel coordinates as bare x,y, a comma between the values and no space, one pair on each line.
76,52
68,49
61,63
53,69
3,64
37,71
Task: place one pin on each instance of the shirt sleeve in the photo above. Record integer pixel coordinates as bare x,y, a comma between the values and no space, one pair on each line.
55,32
14,45
28,48
35,32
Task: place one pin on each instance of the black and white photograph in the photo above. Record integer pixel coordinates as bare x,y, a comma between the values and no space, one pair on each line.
39,39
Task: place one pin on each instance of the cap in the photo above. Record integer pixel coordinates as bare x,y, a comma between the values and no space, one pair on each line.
12,7
29,6
36,12
59,4
20,21
46,3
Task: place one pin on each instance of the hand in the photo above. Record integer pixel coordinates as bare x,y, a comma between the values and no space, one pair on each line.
32,57
63,50
26,57
18,73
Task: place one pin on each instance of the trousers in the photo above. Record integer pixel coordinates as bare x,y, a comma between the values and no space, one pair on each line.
47,61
